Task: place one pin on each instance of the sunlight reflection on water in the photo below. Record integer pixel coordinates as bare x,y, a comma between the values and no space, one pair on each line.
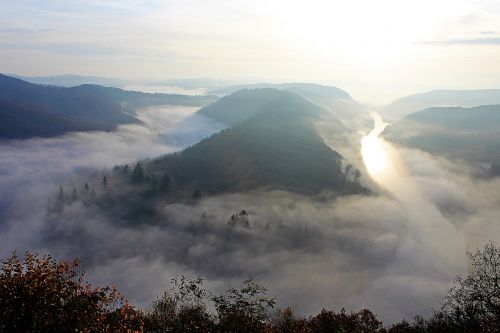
375,151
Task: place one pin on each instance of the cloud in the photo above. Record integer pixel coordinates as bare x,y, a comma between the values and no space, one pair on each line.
9,28
464,41
33,167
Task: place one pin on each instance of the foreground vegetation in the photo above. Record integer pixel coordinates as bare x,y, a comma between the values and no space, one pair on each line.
40,294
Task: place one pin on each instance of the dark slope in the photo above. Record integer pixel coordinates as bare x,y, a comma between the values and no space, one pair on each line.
90,107
36,110
467,133
21,121
277,147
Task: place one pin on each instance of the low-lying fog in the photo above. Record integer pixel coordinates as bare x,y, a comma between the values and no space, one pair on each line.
31,170
166,89
395,251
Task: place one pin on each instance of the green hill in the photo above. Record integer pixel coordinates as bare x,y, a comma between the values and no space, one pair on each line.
277,146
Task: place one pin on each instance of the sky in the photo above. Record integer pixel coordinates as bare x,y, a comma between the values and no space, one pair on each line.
376,50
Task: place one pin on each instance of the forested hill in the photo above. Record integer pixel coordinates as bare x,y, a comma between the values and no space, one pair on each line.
471,134
275,146
28,110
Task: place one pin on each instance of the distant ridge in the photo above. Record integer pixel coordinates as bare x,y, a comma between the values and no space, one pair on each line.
439,98
71,80
311,87
39,110
334,99
471,134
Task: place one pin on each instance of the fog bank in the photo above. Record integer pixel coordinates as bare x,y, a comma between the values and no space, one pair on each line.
394,251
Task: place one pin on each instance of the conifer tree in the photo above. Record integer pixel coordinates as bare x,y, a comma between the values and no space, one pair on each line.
138,174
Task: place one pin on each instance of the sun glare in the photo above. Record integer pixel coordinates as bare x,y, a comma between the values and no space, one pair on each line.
374,151
375,157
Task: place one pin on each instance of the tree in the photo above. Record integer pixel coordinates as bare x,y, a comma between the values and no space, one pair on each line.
474,301
165,183
363,321
243,310
138,174
197,194
60,201
39,294
472,305
61,195
182,309
74,195
285,321
153,183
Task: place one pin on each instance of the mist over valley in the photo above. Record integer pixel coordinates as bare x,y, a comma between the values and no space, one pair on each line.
252,190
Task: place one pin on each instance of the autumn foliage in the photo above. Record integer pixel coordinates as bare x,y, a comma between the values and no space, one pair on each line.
40,294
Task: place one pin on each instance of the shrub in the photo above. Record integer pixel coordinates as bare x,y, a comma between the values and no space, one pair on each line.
182,309
243,310
363,321
474,302
39,294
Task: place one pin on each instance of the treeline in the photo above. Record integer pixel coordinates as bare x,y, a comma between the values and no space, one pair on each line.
40,294
121,183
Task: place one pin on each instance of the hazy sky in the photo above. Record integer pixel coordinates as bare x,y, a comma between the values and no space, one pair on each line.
377,50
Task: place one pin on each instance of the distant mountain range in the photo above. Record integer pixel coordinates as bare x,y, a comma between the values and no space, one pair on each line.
28,110
72,80
329,97
439,98
472,134
272,143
